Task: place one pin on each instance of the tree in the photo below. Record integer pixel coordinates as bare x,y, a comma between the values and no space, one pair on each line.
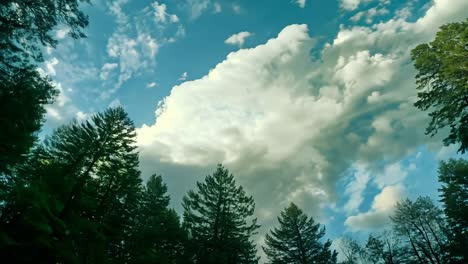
74,198
442,78
218,218
351,250
385,248
25,27
297,240
423,226
453,175
22,99
157,236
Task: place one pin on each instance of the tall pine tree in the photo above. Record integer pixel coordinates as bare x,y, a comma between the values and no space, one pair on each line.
74,200
297,240
157,236
218,218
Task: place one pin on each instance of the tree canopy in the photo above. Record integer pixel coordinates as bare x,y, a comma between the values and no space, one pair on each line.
442,80
297,240
218,217
26,26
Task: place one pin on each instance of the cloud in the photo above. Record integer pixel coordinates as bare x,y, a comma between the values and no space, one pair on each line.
115,8
236,8
301,3
134,54
217,8
197,7
50,66
382,208
238,39
161,15
62,33
289,127
369,14
183,77
151,84
392,174
350,5
63,109
106,69
355,189
81,116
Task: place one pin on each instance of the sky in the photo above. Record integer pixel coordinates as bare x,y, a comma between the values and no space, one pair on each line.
304,101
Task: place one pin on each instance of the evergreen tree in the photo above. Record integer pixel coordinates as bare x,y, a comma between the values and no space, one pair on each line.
297,240
157,236
453,176
22,99
216,217
25,27
74,199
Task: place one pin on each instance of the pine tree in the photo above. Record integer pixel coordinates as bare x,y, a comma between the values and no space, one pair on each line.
297,240
25,28
218,218
74,199
22,99
157,236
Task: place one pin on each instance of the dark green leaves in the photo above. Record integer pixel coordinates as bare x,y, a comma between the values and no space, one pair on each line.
218,218
297,240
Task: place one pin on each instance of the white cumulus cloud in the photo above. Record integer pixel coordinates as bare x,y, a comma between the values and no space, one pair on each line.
382,208
238,39
289,126
301,3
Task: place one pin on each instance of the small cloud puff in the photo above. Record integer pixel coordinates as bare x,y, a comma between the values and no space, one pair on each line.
238,39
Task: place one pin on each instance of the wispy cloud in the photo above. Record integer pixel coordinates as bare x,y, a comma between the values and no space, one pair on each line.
183,77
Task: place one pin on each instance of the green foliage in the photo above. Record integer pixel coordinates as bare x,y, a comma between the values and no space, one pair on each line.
297,240
216,217
25,27
77,193
423,226
157,236
442,78
22,99
351,250
453,176
386,248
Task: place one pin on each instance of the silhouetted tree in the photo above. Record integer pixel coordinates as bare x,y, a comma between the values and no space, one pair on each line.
453,175
74,199
26,27
297,240
218,218
22,99
157,236
423,226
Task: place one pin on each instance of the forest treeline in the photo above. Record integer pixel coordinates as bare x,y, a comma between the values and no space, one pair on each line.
78,196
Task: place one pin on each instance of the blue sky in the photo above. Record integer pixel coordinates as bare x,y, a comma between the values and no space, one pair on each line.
305,101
